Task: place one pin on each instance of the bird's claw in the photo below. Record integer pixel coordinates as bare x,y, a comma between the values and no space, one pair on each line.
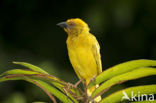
93,79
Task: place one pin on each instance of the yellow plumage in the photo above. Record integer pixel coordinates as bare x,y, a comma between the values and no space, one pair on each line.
83,51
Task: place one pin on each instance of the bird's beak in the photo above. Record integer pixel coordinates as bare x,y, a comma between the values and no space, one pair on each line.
63,25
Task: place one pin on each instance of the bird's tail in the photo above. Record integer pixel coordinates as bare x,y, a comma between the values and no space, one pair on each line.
91,90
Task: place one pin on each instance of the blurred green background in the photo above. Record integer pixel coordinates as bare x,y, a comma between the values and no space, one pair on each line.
125,30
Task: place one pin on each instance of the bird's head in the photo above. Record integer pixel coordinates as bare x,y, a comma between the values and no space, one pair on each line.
74,26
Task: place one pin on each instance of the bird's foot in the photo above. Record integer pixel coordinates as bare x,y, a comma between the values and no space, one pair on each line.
93,79
69,85
77,83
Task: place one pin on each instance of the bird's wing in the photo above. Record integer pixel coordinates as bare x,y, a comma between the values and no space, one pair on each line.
97,56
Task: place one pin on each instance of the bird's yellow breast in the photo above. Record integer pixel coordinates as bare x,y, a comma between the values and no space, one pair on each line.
81,56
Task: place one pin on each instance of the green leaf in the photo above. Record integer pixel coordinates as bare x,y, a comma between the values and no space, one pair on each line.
120,69
55,81
61,96
117,96
45,77
138,73
35,74
19,71
30,66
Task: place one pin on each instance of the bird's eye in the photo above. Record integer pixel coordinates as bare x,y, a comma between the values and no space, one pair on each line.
71,24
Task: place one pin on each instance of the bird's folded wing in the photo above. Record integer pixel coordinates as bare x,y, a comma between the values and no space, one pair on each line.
97,56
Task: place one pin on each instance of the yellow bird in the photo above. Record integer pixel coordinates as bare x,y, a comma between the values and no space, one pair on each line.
83,51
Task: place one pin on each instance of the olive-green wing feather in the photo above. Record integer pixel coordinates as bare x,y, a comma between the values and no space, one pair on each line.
97,56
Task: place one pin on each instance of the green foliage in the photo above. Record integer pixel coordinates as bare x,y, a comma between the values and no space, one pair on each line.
30,66
138,73
116,97
122,68
69,93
